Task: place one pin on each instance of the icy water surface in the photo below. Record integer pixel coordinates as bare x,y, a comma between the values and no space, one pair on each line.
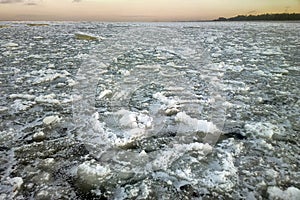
149,110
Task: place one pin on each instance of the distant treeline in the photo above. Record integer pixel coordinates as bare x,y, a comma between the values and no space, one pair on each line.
263,17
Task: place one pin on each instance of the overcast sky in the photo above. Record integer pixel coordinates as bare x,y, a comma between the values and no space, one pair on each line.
139,10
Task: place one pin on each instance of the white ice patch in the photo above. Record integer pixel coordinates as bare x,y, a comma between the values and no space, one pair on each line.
48,75
51,120
270,52
194,124
39,136
22,105
17,183
104,93
260,73
129,119
262,129
165,158
10,45
22,96
92,173
134,125
225,178
169,101
149,67
89,35
231,85
49,99
3,109
291,193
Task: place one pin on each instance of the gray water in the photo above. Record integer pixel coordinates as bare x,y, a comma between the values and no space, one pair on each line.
150,110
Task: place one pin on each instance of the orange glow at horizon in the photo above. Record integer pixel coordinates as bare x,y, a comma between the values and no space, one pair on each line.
139,10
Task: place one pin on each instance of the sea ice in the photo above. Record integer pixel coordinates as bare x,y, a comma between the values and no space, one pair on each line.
92,174
262,129
130,119
51,120
47,99
17,183
22,96
10,45
20,105
225,177
291,193
195,124
3,108
48,75
104,94
165,158
39,136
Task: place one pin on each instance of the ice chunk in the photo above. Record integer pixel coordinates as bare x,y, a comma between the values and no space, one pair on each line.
47,99
291,193
39,136
3,108
260,73
71,82
22,96
10,45
262,129
20,105
51,66
225,177
51,120
168,156
168,101
104,93
149,67
93,174
87,36
171,111
17,183
195,124
38,37
270,52
210,39
130,119
49,75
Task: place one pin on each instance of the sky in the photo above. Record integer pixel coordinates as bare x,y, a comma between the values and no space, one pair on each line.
139,10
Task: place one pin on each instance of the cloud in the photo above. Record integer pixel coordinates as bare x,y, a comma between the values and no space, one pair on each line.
76,1
26,2
11,1
30,4
252,12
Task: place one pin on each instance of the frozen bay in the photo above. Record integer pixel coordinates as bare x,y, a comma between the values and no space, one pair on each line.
149,110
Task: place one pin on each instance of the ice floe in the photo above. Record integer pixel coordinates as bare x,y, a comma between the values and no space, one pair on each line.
11,45
262,129
49,75
87,36
193,124
50,120
91,174
49,99
39,136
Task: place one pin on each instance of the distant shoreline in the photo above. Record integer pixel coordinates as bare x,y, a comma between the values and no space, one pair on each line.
263,17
